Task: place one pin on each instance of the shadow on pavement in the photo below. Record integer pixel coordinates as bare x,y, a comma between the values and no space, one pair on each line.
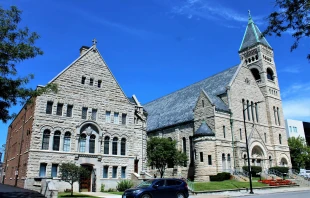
20,194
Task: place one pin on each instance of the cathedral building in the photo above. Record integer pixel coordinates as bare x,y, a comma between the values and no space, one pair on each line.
92,123
207,118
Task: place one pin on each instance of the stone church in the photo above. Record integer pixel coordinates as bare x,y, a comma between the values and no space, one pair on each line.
207,118
92,123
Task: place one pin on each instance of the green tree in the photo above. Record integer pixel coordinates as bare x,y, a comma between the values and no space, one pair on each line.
16,45
299,151
292,16
71,173
161,152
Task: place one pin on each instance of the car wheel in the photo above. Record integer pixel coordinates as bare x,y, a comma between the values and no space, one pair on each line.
146,196
180,195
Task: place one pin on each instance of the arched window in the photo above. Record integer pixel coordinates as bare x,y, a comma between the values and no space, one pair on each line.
270,162
184,149
248,109
106,145
46,139
184,144
123,146
278,116
244,159
92,143
255,73
256,111
56,141
244,107
114,146
67,141
223,162
252,110
82,143
280,138
228,161
270,74
275,115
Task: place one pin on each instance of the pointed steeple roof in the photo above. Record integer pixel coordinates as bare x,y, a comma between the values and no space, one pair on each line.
252,36
204,130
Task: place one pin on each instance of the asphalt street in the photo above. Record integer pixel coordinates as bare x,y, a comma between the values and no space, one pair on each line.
13,192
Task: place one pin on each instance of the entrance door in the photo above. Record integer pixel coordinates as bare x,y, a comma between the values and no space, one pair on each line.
85,182
136,166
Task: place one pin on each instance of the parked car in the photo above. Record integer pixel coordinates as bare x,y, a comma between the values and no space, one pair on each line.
161,188
305,173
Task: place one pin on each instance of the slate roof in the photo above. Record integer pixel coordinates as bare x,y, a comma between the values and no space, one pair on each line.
178,106
252,36
204,130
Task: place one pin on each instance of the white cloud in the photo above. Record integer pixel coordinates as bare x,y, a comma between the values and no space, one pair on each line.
296,101
297,108
210,11
296,90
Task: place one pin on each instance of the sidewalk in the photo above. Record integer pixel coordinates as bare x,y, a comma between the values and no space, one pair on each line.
217,194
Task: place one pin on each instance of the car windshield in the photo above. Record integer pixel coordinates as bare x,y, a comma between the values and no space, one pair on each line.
145,184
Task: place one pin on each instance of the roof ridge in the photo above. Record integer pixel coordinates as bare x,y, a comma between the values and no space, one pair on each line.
190,85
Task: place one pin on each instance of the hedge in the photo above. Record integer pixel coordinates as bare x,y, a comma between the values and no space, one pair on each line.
220,177
280,169
254,170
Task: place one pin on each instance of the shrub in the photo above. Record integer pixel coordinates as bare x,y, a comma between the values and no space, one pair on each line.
124,185
220,177
254,170
280,169
102,188
111,190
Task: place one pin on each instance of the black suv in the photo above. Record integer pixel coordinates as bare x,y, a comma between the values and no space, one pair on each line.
161,188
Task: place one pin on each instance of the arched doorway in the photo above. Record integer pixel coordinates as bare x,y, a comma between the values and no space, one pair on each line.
87,181
257,156
283,162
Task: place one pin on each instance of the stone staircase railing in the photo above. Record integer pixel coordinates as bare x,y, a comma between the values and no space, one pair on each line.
295,177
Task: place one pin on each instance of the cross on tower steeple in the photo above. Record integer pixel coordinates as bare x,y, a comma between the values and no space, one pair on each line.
249,11
94,41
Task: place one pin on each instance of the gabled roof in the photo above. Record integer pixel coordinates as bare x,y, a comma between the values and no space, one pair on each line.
178,106
252,36
204,130
93,47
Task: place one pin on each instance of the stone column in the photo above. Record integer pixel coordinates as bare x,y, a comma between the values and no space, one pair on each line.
50,145
87,144
61,142
77,143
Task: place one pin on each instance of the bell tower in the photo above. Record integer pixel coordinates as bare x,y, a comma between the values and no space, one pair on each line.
258,56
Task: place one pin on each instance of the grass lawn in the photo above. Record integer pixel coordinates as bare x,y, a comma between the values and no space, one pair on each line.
68,194
115,193
227,184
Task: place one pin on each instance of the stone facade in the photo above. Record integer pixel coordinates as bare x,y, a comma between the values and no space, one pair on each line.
251,88
89,122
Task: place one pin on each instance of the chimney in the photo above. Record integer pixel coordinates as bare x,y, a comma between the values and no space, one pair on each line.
83,49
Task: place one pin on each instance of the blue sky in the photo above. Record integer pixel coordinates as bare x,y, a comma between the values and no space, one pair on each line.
155,47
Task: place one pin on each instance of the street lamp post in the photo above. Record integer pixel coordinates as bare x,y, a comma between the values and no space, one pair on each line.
247,149
247,145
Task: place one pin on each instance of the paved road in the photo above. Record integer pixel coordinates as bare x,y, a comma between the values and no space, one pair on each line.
13,192
300,194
